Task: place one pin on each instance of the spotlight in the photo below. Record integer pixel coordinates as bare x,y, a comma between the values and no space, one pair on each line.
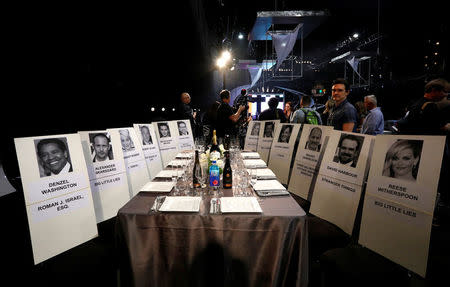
220,62
152,109
163,109
226,55
173,110
356,35
232,68
241,36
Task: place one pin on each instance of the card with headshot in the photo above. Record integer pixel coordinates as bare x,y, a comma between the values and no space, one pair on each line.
252,136
57,193
133,156
147,137
184,134
107,173
167,140
342,171
309,154
282,149
266,134
405,170
401,197
346,156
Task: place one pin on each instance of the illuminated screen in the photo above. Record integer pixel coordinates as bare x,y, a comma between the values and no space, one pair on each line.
264,103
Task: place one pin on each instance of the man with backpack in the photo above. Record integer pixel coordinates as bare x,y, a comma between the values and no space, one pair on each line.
305,114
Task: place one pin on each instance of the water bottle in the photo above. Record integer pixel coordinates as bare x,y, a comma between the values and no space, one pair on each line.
214,175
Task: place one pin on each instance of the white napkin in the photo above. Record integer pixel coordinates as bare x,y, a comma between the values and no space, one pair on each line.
167,173
155,186
254,163
268,185
264,173
240,204
183,155
177,162
181,204
250,155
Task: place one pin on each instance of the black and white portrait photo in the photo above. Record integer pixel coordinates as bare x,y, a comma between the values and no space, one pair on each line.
164,131
314,139
347,151
126,141
182,128
255,129
285,134
402,159
269,129
101,148
146,136
53,156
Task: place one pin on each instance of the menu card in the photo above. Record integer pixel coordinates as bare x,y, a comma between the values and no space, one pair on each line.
254,163
240,204
168,173
249,155
156,186
181,204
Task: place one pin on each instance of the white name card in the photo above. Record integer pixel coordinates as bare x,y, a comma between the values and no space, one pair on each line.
281,150
266,135
337,190
167,140
400,198
133,156
149,142
58,198
310,151
251,138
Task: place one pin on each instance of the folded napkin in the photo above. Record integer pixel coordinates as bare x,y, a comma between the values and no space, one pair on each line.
167,173
254,163
156,186
269,188
176,162
250,155
268,185
240,205
181,204
264,173
183,155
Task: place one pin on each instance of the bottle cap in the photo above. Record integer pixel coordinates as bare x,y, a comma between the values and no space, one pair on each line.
213,161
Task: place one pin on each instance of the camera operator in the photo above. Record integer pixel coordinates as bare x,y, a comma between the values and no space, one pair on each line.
244,118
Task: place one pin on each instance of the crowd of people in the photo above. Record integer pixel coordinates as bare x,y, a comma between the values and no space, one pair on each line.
429,115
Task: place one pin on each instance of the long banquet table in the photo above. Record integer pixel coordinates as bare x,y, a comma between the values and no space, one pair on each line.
203,249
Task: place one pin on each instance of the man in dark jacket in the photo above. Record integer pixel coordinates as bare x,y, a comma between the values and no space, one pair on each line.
272,113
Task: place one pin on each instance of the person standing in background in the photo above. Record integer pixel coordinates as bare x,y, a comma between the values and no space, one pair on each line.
185,110
343,116
373,123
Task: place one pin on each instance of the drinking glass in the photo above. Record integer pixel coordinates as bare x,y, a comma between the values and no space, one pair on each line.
254,176
175,181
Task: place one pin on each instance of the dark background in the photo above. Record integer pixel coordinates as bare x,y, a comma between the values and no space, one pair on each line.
76,67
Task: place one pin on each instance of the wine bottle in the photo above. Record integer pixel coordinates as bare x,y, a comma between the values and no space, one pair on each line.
197,172
227,173
214,145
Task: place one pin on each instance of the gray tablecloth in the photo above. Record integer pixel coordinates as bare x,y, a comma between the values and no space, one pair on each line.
202,249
